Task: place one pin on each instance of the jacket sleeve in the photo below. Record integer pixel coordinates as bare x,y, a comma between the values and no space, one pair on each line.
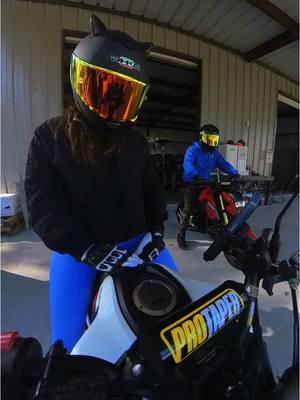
50,212
225,166
155,205
189,164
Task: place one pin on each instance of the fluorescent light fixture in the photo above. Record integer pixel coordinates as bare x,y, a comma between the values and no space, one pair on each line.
72,39
173,60
289,101
153,54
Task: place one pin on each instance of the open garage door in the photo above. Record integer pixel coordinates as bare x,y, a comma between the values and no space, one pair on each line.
286,153
170,117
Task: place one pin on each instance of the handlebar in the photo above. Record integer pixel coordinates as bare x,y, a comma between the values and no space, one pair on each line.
58,375
286,271
237,222
231,183
216,185
221,242
216,247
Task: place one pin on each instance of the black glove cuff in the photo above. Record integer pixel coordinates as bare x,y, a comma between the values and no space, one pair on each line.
157,229
96,253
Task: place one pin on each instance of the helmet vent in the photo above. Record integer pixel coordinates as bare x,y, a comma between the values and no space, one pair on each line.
98,28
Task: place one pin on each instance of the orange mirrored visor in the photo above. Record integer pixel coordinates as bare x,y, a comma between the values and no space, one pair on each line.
210,140
113,96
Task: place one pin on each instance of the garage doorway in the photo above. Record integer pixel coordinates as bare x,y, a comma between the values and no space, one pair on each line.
286,152
170,118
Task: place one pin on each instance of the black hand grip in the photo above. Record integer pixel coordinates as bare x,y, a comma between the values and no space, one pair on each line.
267,235
222,241
216,247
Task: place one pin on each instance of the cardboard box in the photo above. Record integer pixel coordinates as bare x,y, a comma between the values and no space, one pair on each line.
242,159
10,204
12,225
236,155
230,153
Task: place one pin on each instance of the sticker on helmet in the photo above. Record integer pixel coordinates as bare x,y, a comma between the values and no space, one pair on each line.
125,62
187,334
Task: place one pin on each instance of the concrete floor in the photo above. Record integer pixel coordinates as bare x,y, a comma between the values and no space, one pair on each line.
25,279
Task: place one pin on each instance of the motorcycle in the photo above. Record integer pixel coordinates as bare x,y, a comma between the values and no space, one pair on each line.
217,203
155,334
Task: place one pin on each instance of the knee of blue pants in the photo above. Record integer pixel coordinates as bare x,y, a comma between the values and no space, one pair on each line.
71,285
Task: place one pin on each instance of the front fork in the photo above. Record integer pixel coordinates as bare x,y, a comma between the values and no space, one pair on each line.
224,213
220,201
251,323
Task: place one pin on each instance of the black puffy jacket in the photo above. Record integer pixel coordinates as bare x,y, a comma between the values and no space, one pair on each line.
72,205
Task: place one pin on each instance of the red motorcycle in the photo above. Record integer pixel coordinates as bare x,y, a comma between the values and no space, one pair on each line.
218,203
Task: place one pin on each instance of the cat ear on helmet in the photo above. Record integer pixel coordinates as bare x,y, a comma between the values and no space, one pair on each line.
97,25
145,47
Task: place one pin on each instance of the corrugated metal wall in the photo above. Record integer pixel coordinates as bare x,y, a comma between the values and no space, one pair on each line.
239,97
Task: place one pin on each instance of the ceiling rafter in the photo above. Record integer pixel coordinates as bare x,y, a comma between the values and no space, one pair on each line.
96,7
277,14
270,45
290,35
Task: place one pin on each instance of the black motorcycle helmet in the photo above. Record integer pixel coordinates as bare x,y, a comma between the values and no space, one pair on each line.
209,137
109,76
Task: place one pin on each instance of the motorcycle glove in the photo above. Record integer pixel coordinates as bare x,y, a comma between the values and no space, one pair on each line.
106,256
150,246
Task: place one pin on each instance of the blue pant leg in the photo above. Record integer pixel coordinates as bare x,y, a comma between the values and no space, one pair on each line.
166,259
71,285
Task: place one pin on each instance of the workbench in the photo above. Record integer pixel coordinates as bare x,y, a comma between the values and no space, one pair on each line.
265,180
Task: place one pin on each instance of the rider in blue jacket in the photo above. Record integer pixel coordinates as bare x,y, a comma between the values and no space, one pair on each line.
200,159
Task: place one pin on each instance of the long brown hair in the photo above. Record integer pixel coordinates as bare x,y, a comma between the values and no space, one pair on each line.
85,143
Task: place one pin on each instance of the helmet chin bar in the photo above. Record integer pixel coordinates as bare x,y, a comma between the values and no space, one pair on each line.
206,147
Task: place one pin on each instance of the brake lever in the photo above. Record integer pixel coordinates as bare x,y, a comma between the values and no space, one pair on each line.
284,273
269,281
289,273
267,235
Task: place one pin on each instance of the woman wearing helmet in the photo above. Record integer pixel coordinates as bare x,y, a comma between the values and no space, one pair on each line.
200,160
92,192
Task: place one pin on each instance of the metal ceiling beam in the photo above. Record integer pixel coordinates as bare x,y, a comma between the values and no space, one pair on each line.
290,35
273,44
113,11
277,14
